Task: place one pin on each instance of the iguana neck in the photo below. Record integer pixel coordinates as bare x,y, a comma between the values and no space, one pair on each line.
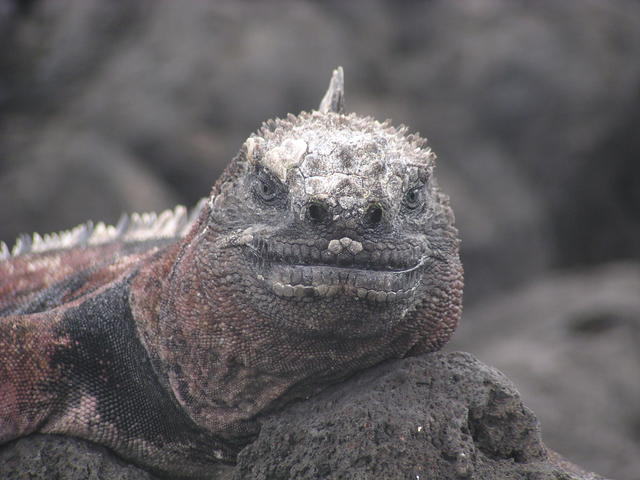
224,361
195,339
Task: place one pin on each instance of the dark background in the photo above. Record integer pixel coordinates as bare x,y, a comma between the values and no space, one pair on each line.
532,106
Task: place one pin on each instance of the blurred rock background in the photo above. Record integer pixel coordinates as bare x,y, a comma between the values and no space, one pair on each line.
532,107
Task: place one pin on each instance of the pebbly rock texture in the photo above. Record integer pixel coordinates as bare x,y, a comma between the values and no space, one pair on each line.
570,344
437,416
46,457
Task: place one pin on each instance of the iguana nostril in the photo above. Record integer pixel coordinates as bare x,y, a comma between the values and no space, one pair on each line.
317,212
373,216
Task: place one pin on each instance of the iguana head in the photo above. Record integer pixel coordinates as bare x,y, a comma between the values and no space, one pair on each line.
326,246
338,214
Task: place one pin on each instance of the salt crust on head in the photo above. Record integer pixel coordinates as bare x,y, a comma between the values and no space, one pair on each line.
337,158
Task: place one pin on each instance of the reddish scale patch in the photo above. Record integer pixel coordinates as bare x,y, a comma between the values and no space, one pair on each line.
27,342
26,346
25,276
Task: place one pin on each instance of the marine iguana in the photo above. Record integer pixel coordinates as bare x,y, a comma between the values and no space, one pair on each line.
325,247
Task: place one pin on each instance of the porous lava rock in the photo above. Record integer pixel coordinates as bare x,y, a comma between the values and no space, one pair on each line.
436,416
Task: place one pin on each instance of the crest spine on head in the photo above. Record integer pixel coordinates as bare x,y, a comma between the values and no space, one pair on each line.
273,131
333,100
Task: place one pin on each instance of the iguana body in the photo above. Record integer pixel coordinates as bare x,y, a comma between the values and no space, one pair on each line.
324,248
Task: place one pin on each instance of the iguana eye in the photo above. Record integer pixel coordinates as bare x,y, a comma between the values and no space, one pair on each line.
266,188
414,197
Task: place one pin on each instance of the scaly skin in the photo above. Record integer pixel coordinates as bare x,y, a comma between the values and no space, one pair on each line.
325,247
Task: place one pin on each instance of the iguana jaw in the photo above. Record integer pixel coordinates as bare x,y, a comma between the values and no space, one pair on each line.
301,282
303,272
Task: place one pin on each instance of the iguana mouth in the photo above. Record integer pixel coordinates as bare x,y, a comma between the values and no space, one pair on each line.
374,272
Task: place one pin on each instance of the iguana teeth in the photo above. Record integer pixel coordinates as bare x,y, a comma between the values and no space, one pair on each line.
381,297
322,290
354,247
335,247
333,290
304,291
287,291
371,295
278,289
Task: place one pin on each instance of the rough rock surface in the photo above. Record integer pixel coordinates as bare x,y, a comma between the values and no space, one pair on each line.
570,344
433,417
438,416
46,457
